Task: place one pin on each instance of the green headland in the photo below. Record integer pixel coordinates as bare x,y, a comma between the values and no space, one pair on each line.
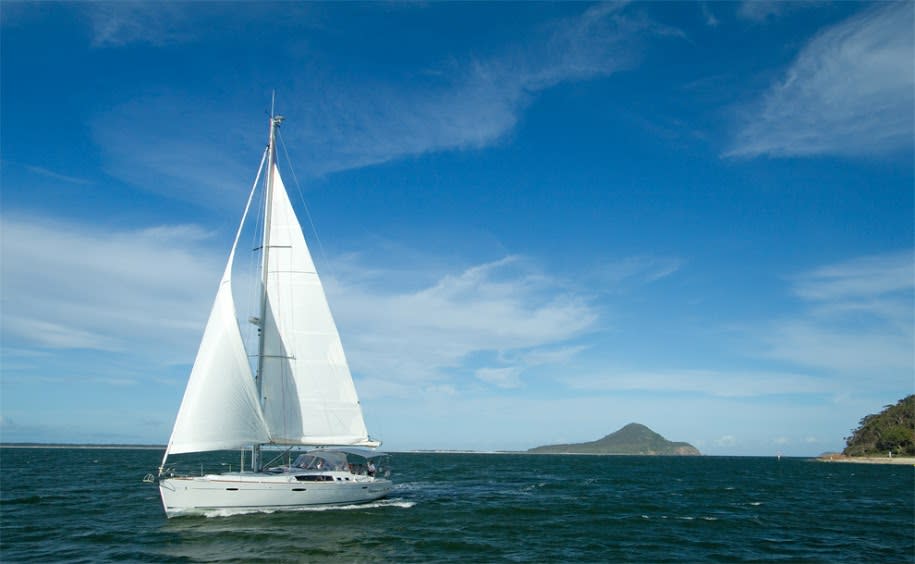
890,431
634,439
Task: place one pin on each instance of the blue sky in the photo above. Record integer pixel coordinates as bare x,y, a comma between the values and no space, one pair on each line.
537,222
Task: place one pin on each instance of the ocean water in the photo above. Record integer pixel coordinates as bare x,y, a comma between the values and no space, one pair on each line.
90,505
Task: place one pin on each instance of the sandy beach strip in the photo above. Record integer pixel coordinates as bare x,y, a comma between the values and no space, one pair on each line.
868,459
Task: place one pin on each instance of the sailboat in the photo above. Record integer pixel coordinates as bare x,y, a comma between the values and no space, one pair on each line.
300,393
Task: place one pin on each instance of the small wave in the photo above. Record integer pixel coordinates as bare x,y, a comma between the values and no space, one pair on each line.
234,512
531,487
756,503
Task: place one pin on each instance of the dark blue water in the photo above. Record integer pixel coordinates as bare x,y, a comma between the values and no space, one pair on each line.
86,505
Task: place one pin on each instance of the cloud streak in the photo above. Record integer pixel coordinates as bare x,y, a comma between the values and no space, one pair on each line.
116,24
464,104
722,384
150,143
762,10
143,295
858,320
488,322
848,93
41,171
852,332
78,287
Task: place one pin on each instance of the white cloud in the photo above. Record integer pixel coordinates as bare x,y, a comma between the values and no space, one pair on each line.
501,377
56,335
849,92
144,294
507,308
643,269
858,320
863,277
72,286
853,332
56,175
883,356
465,103
543,356
726,384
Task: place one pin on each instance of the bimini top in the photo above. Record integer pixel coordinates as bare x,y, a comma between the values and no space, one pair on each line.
355,451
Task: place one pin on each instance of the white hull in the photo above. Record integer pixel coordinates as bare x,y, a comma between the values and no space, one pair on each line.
189,495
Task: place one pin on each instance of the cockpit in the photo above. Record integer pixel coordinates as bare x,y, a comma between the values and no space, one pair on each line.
358,462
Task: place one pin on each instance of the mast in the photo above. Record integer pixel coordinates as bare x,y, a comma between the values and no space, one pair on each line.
275,121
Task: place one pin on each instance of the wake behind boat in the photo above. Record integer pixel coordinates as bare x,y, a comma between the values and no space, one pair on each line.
301,393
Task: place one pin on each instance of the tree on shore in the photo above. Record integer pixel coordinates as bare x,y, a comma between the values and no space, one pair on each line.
891,430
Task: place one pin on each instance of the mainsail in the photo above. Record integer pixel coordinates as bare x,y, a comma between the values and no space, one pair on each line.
307,392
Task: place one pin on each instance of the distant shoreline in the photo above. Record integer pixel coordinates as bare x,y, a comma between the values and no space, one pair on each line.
902,460
58,445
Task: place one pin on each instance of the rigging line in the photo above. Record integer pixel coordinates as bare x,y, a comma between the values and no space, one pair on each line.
241,225
301,195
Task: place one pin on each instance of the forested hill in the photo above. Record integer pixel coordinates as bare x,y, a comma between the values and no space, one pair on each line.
631,439
891,430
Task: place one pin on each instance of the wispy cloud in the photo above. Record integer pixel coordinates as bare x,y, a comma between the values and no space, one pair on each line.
762,10
849,92
641,269
708,16
115,24
501,377
857,320
82,287
853,330
56,175
150,143
507,309
863,277
144,294
471,102
726,384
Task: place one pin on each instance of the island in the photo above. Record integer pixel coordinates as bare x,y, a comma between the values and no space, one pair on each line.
633,439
